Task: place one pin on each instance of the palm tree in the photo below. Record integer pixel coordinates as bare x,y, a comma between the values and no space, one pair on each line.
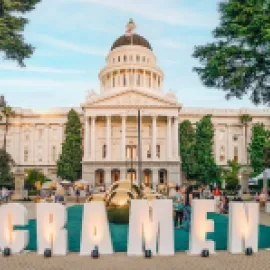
6,112
245,119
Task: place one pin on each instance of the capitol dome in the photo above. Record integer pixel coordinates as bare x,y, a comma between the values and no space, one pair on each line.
136,40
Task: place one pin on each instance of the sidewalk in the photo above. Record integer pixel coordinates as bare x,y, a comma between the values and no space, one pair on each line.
223,261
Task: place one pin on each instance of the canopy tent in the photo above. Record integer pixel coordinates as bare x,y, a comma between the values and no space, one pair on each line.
65,182
265,175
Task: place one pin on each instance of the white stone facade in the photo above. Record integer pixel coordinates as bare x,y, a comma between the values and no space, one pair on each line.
130,81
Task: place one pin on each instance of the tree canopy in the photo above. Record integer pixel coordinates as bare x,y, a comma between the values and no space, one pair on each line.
187,148
257,145
6,162
33,176
238,61
207,170
69,164
12,24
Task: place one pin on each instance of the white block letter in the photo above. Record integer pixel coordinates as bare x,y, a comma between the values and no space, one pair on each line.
51,220
95,229
10,215
243,227
200,225
151,226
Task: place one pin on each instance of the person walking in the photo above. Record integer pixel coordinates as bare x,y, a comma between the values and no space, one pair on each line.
77,195
178,203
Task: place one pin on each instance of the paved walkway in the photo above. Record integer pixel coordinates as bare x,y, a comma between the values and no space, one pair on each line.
222,260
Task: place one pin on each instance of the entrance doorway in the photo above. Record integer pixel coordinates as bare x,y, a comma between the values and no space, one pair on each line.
147,175
131,174
115,175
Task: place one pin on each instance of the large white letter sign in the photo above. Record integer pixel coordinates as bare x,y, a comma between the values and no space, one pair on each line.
200,225
51,220
95,229
243,226
151,226
10,215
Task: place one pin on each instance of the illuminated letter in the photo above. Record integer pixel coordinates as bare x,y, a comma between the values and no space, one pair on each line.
151,226
243,226
200,225
95,229
10,215
51,220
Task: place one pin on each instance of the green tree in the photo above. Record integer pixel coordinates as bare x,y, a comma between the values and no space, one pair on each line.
6,112
69,164
6,163
230,175
12,24
256,147
187,148
206,169
34,175
245,119
238,61
266,155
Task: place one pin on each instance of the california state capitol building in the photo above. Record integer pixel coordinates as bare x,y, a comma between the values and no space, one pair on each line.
130,81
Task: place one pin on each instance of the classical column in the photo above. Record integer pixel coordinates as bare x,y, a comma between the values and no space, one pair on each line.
108,177
144,79
154,137
111,79
123,138
33,145
86,138
176,142
169,137
108,137
155,178
93,137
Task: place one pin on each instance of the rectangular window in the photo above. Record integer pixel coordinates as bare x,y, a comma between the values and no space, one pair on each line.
40,134
54,153
131,58
158,150
104,151
25,154
143,58
235,151
149,152
137,58
119,58
138,80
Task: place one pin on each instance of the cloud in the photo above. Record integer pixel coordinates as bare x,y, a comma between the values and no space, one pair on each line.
154,10
38,69
70,46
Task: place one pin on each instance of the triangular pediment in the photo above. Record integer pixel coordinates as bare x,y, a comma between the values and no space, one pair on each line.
132,98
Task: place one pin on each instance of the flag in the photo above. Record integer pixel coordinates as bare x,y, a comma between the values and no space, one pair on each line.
128,33
130,28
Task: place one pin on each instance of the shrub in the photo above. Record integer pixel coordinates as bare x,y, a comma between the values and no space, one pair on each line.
118,215
32,192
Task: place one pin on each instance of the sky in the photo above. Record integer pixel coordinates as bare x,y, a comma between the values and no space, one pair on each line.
73,37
